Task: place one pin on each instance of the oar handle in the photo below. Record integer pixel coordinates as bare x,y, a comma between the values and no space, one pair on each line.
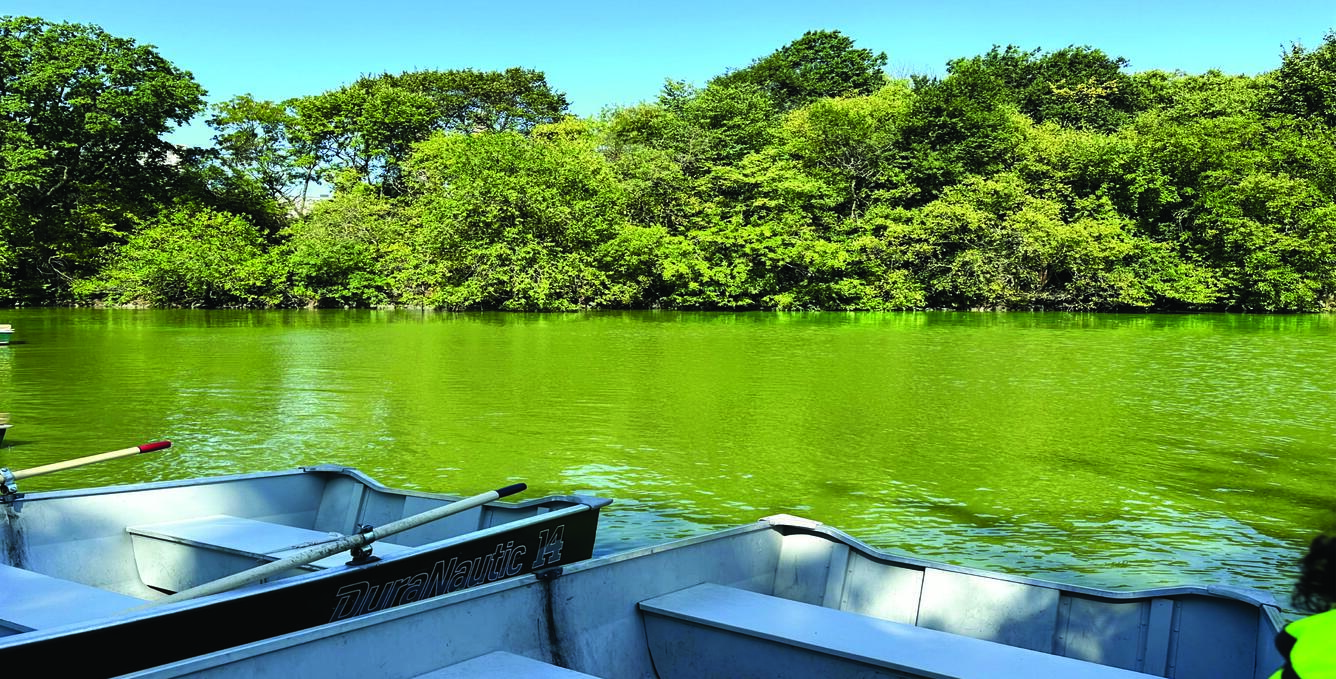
100,457
265,571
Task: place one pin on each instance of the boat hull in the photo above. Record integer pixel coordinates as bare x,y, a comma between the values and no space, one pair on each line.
601,617
178,631
487,545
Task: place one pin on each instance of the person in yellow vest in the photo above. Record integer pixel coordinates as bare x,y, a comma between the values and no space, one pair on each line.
1308,645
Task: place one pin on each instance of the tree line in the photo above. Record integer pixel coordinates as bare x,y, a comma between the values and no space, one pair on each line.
808,179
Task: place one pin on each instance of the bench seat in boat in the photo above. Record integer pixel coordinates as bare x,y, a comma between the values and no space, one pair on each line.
33,601
503,665
177,555
715,630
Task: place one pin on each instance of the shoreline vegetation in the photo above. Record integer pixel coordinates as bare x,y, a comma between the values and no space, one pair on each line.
806,180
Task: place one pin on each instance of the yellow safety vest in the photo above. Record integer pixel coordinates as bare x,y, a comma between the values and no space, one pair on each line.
1309,648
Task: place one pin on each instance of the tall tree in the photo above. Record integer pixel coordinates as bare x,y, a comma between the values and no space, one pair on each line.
253,145
1305,84
1078,87
82,115
854,144
515,222
817,65
964,124
369,127
698,128
514,100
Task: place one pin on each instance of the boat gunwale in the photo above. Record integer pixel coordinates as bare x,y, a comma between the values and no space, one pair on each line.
1254,597
352,472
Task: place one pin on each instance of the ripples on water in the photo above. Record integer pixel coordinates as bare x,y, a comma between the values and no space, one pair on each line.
1108,450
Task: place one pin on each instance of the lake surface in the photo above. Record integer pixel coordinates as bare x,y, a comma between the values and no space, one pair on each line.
1107,450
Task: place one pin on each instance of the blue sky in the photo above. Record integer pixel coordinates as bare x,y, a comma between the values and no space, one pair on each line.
603,53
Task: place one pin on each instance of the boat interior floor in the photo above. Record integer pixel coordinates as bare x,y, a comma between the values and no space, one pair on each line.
31,601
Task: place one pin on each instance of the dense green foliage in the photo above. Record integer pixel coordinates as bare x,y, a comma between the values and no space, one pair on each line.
81,154
189,256
818,65
805,180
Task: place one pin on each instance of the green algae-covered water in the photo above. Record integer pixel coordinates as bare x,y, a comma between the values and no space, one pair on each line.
1107,450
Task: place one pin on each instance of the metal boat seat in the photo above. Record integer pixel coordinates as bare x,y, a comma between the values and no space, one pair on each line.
178,555
33,601
501,664
715,630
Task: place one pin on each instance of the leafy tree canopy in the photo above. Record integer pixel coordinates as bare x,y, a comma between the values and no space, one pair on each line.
515,100
81,118
189,256
1185,97
370,126
819,64
253,143
514,222
1305,83
1075,86
807,180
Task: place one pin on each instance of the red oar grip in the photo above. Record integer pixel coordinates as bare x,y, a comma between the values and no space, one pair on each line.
156,445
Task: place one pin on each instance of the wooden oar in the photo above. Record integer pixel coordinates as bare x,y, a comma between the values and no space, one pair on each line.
9,489
262,572
79,462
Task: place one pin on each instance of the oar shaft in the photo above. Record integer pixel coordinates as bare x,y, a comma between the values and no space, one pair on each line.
441,512
266,571
100,457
